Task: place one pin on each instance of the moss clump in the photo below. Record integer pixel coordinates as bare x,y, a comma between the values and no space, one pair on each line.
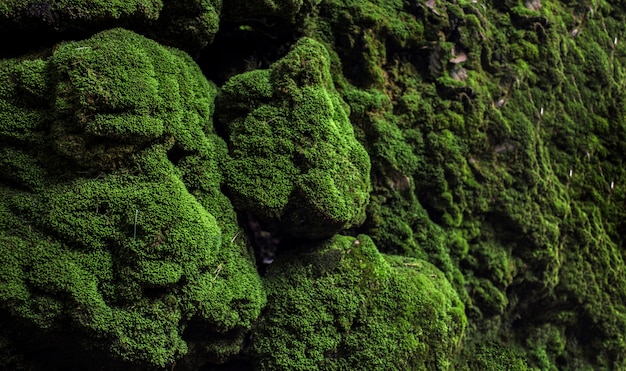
288,10
113,225
188,24
106,110
330,308
293,157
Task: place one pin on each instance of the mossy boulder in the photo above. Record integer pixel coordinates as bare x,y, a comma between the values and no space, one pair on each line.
344,306
116,237
293,157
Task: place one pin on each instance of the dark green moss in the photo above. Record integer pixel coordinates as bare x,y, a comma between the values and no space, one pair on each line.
188,24
490,108
484,138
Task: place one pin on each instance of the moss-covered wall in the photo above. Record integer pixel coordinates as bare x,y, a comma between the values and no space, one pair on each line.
438,185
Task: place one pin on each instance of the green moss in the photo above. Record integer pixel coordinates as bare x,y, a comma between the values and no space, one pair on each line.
188,24
287,10
493,357
97,111
138,101
124,238
292,152
355,290
44,11
491,140
486,137
110,199
24,98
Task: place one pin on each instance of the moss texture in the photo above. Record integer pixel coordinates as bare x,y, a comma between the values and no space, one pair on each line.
476,148
111,225
293,157
355,291
487,127
188,24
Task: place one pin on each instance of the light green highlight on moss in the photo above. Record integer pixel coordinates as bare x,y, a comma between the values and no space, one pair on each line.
292,152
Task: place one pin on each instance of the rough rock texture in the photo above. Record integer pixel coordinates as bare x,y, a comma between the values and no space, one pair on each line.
478,144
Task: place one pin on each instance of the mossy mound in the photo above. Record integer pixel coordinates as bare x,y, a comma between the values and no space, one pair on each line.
293,157
345,306
106,109
116,236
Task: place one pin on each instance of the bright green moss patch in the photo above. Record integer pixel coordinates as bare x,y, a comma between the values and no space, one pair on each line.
121,90
355,291
292,152
110,191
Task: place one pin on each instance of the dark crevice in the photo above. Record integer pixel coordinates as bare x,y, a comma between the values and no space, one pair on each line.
37,44
155,293
244,46
264,240
175,154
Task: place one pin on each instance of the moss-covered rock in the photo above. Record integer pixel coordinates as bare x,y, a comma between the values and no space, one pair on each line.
485,138
330,307
114,228
293,157
487,132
